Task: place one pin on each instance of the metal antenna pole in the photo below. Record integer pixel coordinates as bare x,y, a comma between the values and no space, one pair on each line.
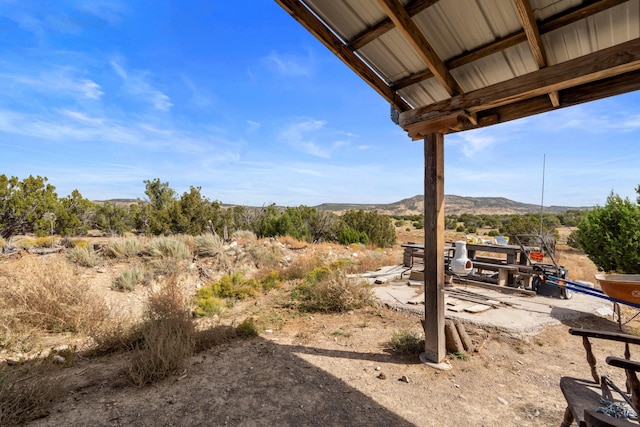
544,159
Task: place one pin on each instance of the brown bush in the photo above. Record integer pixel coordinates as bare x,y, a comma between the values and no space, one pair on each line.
168,335
25,394
48,296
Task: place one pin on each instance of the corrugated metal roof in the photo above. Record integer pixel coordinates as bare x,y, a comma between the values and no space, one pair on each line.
454,28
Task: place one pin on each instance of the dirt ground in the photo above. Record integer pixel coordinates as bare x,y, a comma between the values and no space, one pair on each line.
331,370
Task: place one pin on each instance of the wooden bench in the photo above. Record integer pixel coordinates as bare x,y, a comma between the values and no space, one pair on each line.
505,271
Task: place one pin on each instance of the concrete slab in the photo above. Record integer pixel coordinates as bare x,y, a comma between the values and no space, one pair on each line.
515,314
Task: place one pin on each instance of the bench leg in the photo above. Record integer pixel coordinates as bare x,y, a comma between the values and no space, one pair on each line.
568,418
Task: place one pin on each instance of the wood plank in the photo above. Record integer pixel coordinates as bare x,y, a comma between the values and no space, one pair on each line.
588,8
523,7
503,289
477,308
606,63
434,308
370,34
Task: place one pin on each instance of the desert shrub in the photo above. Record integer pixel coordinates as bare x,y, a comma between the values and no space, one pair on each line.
370,261
78,243
128,279
123,248
418,225
348,236
300,268
244,236
45,242
48,295
326,290
404,342
209,245
25,394
207,304
235,286
168,247
248,328
83,256
265,255
270,280
168,336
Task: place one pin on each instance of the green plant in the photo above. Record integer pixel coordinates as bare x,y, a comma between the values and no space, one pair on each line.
83,256
168,247
405,342
207,304
610,235
459,355
123,248
248,328
235,286
270,281
128,279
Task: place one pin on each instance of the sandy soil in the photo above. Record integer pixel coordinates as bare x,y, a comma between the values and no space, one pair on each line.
331,370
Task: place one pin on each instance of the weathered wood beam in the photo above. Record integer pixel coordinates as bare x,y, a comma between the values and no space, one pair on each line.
318,28
525,13
370,34
420,44
609,62
434,308
570,16
593,91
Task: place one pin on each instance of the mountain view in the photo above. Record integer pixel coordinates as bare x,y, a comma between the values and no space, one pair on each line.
454,205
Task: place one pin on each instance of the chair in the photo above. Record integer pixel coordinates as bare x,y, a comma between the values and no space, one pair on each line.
583,396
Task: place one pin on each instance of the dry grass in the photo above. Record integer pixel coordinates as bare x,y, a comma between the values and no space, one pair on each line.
168,247
123,248
579,265
25,394
83,256
168,335
47,296
331,291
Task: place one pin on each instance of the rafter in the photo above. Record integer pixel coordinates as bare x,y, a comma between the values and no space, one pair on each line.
565,18
420,44
370,34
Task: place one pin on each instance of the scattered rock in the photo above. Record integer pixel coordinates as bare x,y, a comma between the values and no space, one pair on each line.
503,401
378,368
404,379
382,376
59,359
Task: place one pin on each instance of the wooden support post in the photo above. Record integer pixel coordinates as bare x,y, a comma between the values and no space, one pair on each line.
434,342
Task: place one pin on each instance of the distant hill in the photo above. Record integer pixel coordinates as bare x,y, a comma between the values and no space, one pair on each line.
454,205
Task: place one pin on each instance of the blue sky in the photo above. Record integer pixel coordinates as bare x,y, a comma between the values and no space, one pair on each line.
237,98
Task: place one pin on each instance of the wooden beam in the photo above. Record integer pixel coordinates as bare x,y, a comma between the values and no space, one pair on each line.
612,86
531,31
589,8
321,31
434,308
603,64
370,34
420,44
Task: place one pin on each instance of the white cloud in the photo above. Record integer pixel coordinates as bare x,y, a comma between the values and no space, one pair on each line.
110,11
289,66
475,142
136,83
312,137
56,81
